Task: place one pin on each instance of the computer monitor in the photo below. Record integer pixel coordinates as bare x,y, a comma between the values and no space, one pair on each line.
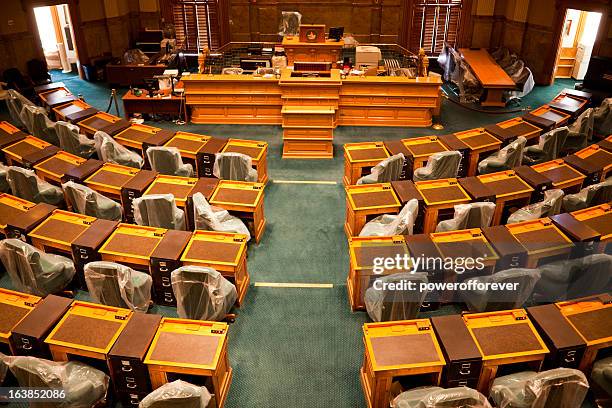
336,33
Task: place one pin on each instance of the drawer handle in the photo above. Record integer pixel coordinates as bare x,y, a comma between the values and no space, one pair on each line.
132,386
27,345
570,360
464,383
126,368
465,372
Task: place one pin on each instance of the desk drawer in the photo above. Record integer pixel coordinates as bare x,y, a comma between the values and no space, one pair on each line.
470,383
129,375
569,357
130,399
462,370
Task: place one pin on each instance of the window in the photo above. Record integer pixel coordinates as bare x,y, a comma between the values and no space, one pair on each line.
434,22
196,23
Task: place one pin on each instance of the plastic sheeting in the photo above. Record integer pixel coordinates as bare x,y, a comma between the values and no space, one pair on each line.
15,103
232,71
551,205
558,388
446,61
202,293
384,304
27,185
472,215
208,218
290,23
71,141
158,210
412,398
84,386
167,160
34,271
180,394
470,88
602,118
592,195
507,158
549,146
601,374
487,301
580,132
391,224
434,397
84,200
4,185
439,166
134,57
112,152
234,166
38,124
386,171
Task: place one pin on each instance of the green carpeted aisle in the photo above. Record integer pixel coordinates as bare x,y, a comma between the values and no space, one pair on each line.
301,347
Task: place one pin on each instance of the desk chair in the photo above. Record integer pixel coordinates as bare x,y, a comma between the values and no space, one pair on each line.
84,200
84,386
548,148
507,158
4,185
602,118
391,224
386,171
15,103
234,166
575,278
470,88
27,185
112,152
602,374
386,305
209,218
556,388
580,132
436,397
439,166
38,124
112,284
71,141
158,210
590,196
488,301
34,271
551,205
472,215
177,394
202,293
167,160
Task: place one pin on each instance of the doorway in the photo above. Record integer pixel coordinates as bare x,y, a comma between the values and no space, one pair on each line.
577,39
56,37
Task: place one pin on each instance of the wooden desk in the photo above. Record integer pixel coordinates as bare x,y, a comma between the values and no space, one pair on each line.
364,202
104,122
478,144
599,219
394,350
416,151
511,193
74,111
9,135
132,245
57,233
55,97
179,187
28,151
167,105
54,169
87,330
362,252
244,200
258,152
132,74
191,348
110,178
198,150
440,197
591,317
223,251
509,130
571,102
135,136
503,338
593,161
606,143
14,306
547,118
10,208
543,241
492,77
562,175
18,216
359,158
328,51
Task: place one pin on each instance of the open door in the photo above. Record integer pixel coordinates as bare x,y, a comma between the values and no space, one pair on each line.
577,39
56,36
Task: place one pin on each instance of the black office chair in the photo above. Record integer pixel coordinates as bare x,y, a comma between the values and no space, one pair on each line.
384,305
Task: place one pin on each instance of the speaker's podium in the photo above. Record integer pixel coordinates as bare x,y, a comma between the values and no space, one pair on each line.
311,45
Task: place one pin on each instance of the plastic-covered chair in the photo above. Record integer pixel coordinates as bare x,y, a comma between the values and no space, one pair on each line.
38,124
167,160
179,394
393,224
551,205
117,285
27,185
436,397
602,118
488,300
112,152
84,386
232,71
472,215
202,293
560,280
15,103
440,165
4,185
590,196
602,374
386,171
71,141
580,132
84,200
384,305
556,388
158,210
209,218
234,166
507,158
34,271
548,148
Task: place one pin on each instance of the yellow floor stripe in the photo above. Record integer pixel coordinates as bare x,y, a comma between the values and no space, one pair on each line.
294,285
305,182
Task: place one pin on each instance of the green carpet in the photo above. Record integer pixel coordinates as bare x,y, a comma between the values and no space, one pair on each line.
302,347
